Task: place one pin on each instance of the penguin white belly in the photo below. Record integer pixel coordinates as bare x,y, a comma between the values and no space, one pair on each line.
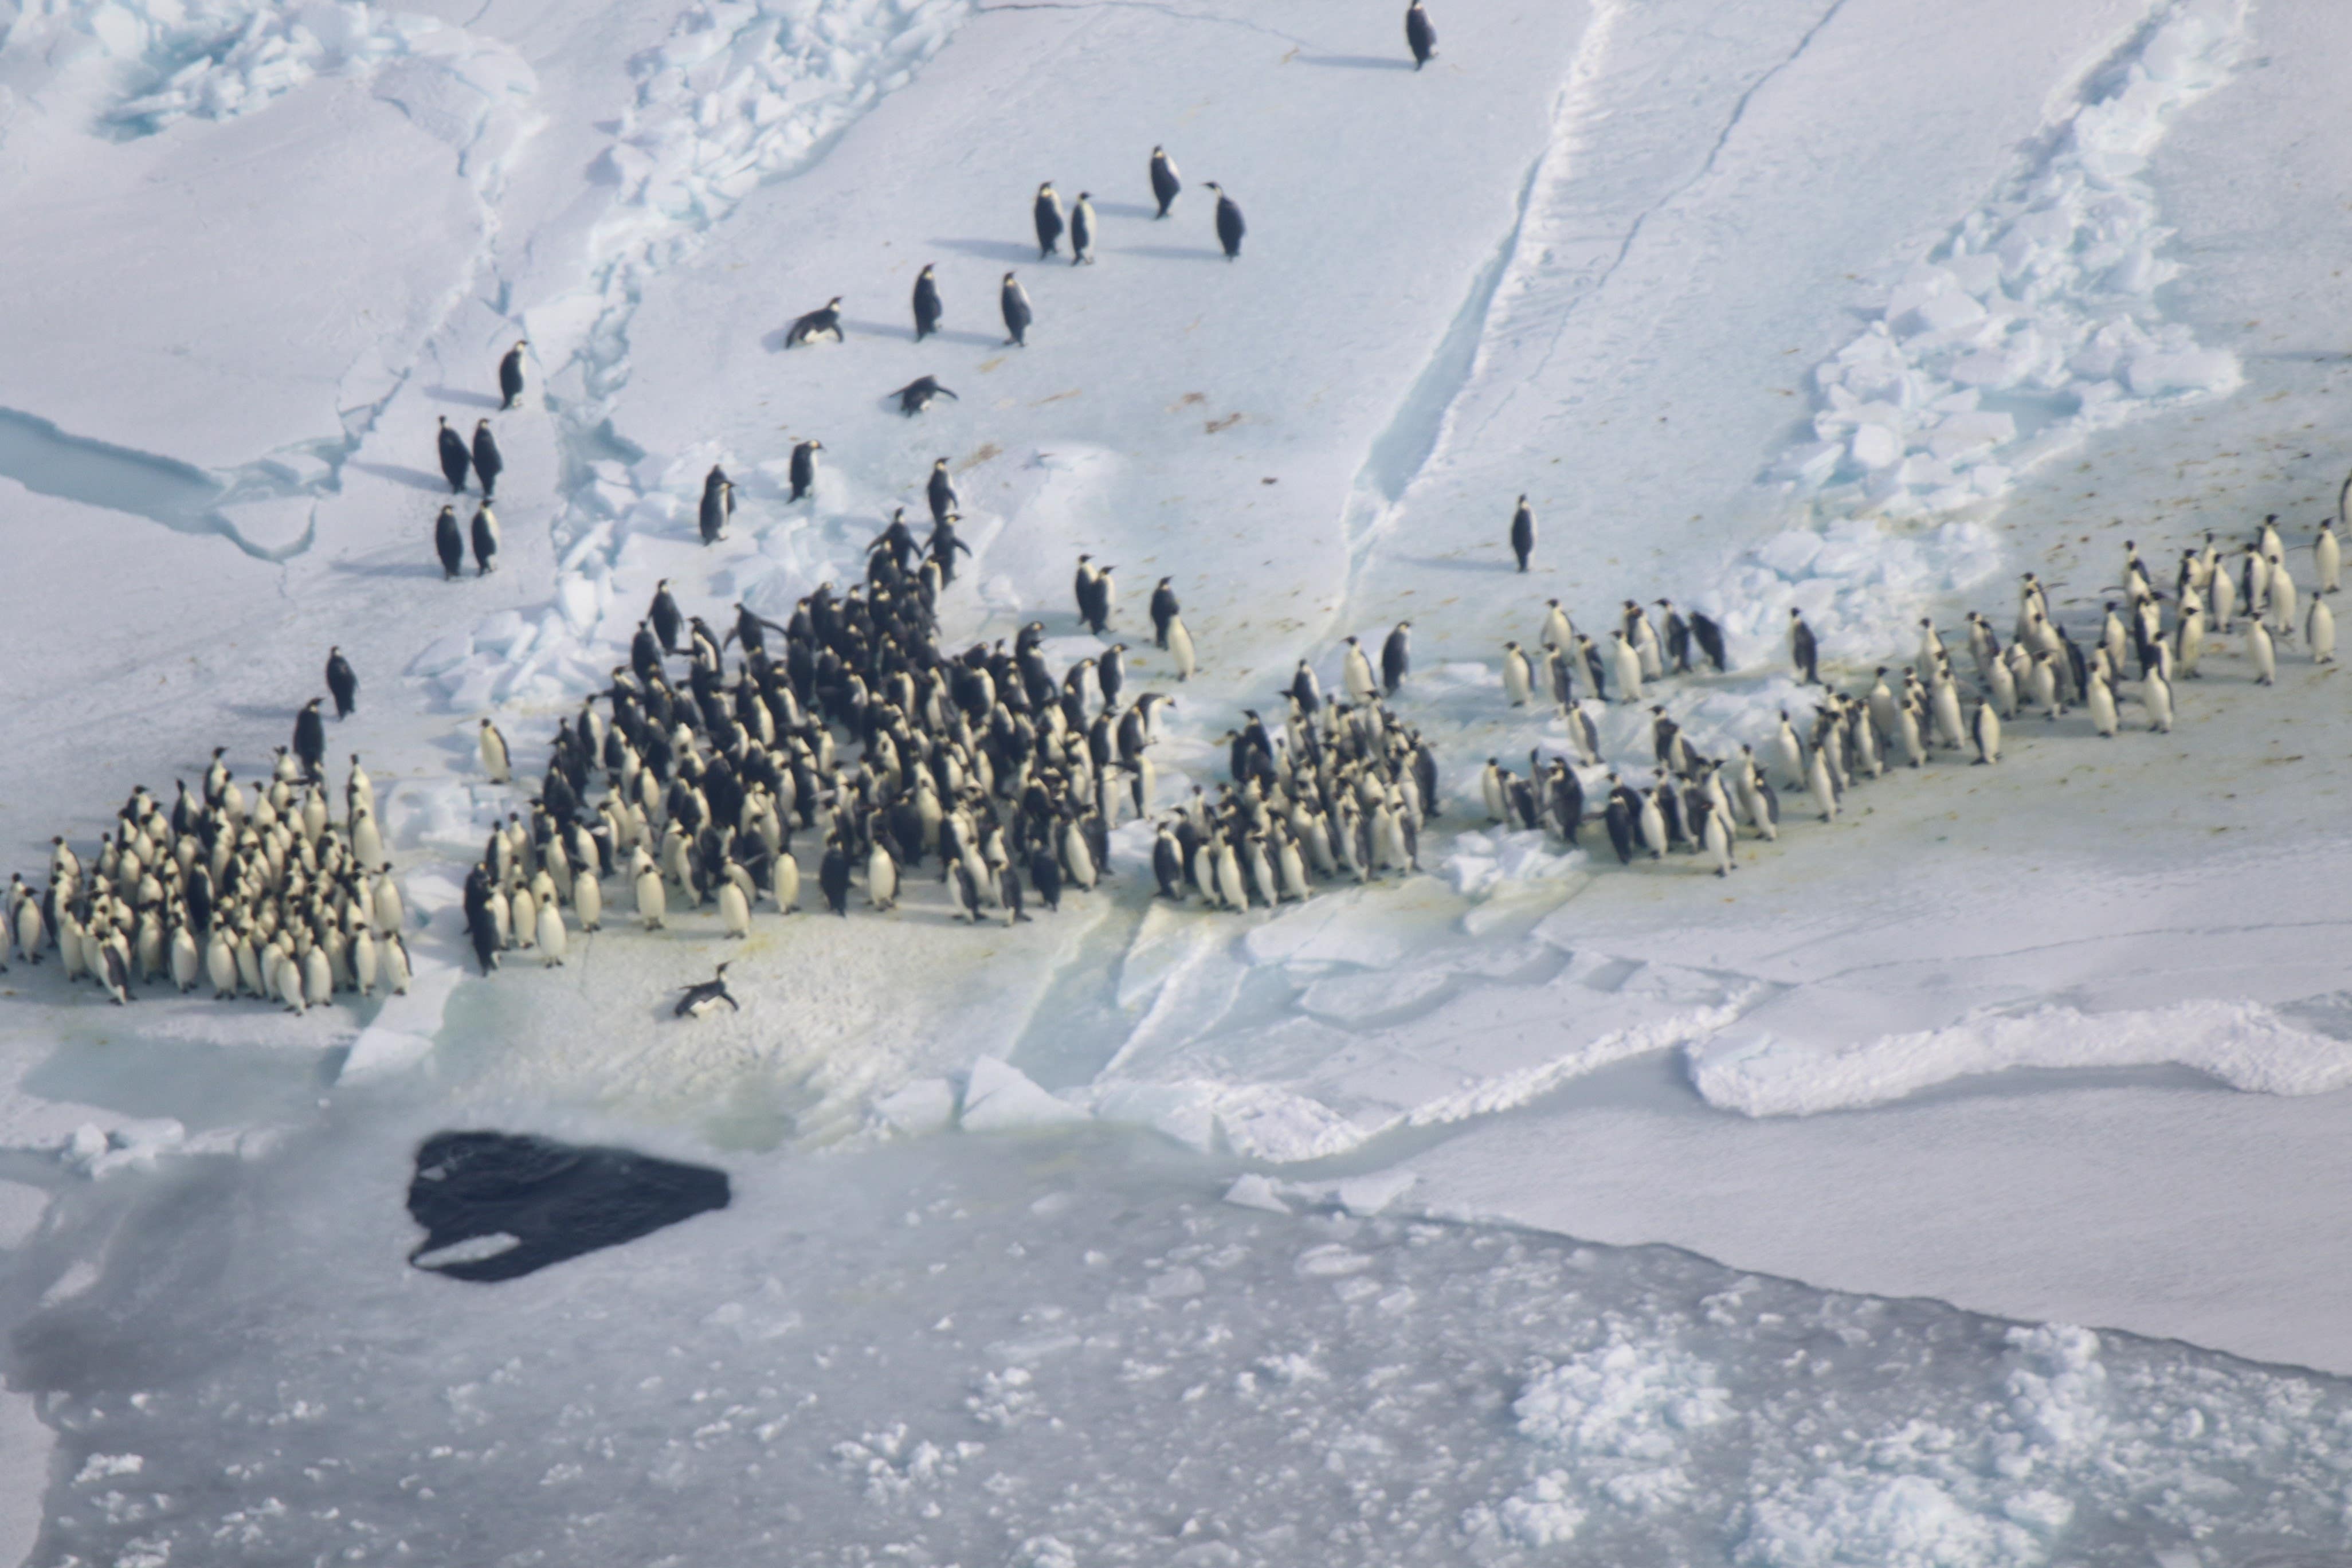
553,939
1516,687
1824,791
734,913
2102,709
362,962
653,901
1179,649
588,901
1629,673
787,891
881,878
2265,656
2156,696
318,978
220,966
1653,827
2319,631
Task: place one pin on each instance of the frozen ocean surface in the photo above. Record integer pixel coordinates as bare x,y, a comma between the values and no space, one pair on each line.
1956,1184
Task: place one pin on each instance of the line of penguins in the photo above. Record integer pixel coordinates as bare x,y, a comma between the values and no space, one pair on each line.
257,890
1703,805
984,762
478,461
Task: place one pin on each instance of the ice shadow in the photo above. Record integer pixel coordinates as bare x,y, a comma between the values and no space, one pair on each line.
992,249
414,478
555,1201
469,399
1355,62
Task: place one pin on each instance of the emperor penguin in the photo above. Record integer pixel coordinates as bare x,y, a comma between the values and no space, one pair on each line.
2319,631
1803,651
1628,667
823,322
1419,35
784,883
803,469
1082,230
1230,228
734,909
1017,313
485,539
493,753
311,739
652,900
705,997
1164,608
449,543
1178,644
2258,640
920,393
717,506
1047,211
1985,732
510,374
2156,696
1517,680
2100,699
881,878
1355,673
941,491
1523,532
588,899
457,461
343,682
928,310
1717,836
488,462
553,939
2328,557
1396,658
1165,184
1823,787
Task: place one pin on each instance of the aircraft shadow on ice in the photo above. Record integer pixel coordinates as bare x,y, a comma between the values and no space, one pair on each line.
499,1205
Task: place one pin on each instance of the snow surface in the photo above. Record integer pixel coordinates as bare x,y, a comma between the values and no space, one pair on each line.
1845,306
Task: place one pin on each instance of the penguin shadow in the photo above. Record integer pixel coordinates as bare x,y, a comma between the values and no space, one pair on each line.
469,399
1355,62
997,250
944,334
1505,567
414,478
1174,252
278,712
1126,209
388,569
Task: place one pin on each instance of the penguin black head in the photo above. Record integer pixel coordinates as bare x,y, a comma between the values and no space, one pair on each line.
1045,189
1086,195
1008,277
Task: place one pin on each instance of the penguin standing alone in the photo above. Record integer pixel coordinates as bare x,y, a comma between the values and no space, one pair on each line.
928,308
449,539
1082,230
1165,182
343,682
487,463
1048,215
1523,532
311,739
1419,35
510,374
717,506
803,470
456,460
940,490
1230,227
1802,650
1017,314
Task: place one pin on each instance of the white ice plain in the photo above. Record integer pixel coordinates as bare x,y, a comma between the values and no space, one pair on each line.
1839,306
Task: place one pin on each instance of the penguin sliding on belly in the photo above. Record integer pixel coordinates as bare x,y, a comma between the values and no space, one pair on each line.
920,393
705,997
824,321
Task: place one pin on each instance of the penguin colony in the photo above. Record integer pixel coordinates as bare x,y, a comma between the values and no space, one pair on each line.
2147,642
255,891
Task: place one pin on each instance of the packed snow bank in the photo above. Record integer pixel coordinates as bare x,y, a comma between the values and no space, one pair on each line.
2244,1044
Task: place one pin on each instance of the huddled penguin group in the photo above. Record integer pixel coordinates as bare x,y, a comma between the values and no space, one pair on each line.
255,890
692,786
